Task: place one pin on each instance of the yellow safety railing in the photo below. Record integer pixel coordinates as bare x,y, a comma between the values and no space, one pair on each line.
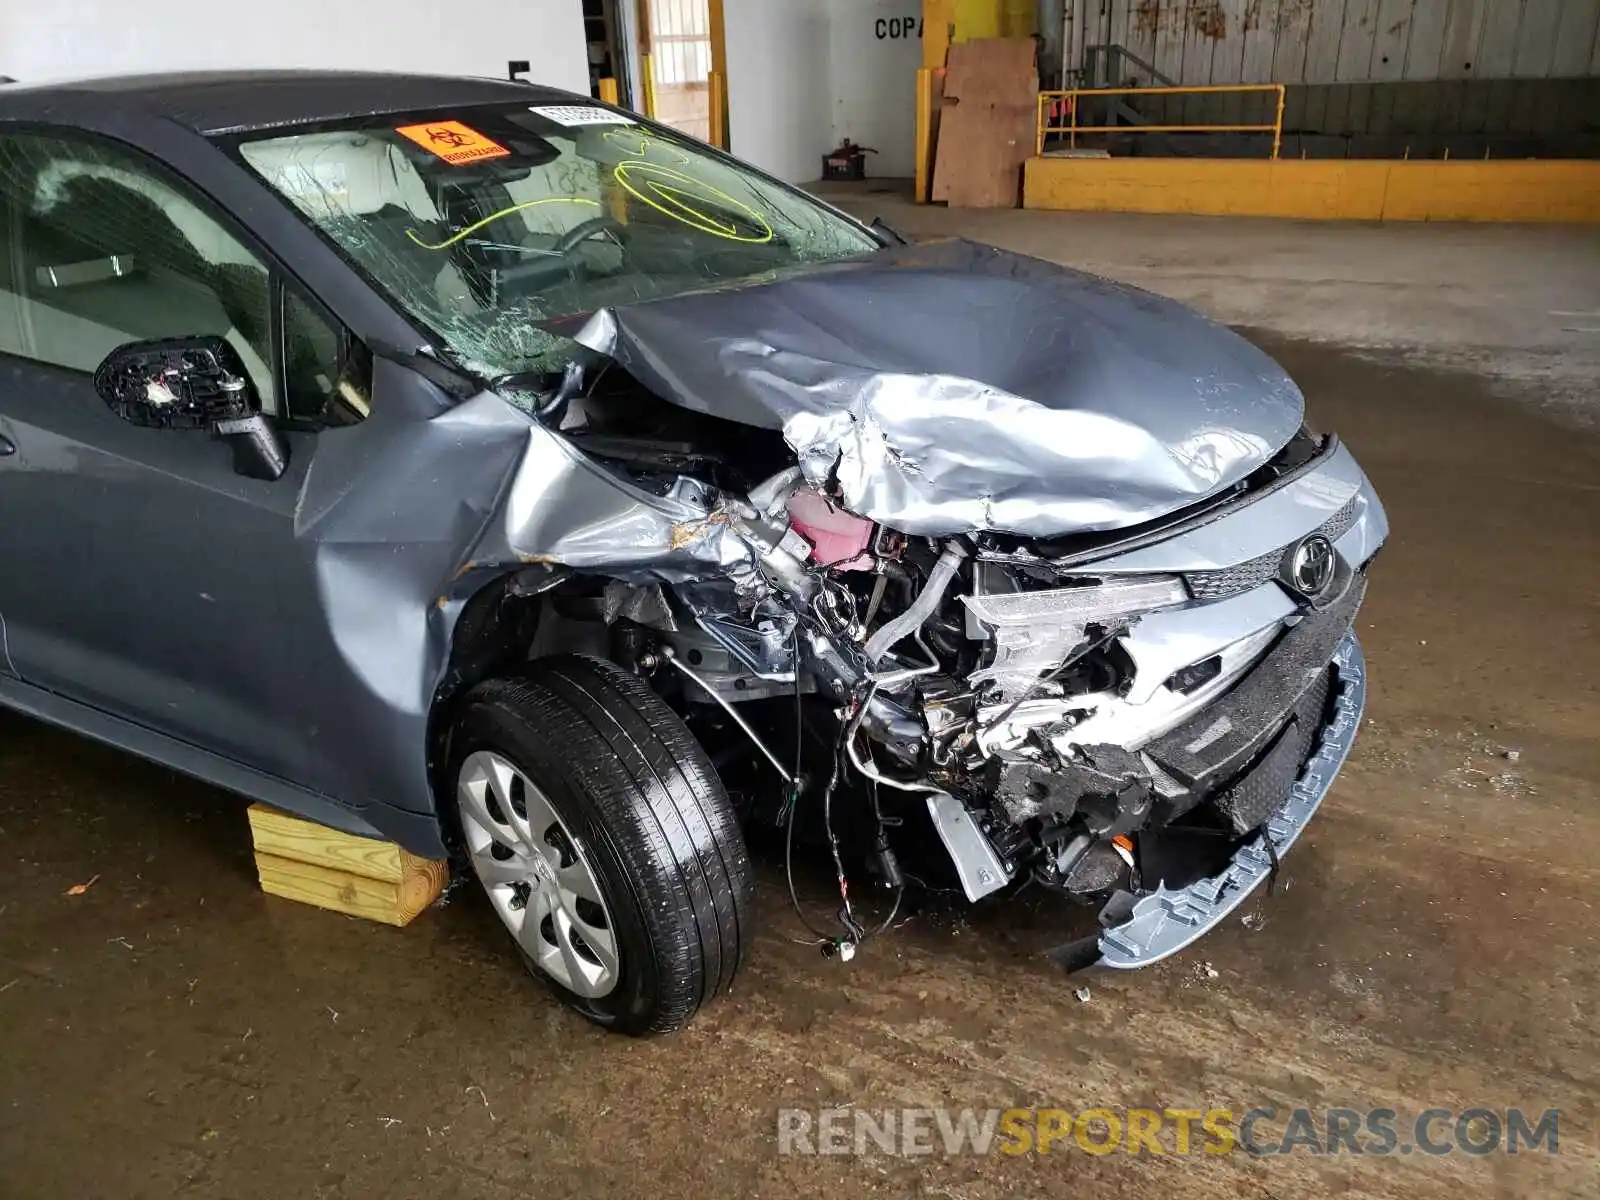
1072,129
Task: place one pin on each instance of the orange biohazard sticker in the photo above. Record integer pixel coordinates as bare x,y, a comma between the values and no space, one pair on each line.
452,141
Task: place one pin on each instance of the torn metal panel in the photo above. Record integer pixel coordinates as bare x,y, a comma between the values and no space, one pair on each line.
403,522
521,493
562,507
950,387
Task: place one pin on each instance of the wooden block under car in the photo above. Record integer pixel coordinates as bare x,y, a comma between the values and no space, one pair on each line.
301,860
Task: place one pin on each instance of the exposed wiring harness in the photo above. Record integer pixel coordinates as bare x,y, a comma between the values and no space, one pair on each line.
855,934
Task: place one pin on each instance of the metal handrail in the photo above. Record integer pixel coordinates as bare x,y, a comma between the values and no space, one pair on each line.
1073,129
1113,54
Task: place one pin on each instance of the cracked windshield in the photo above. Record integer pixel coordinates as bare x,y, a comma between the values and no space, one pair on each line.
483,223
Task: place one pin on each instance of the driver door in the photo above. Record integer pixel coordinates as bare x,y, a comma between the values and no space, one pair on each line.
143,576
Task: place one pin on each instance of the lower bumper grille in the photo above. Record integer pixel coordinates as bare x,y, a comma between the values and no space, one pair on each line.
1161,923
1250,800
1243,727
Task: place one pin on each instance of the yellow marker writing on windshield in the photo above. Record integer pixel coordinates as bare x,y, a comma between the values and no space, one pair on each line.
495,216
677,195
640,143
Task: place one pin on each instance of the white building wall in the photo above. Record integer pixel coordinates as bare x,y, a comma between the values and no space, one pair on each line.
778,84
876,48
805,74
62,38
1347,41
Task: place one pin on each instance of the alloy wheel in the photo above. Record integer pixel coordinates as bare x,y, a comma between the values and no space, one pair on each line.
538,875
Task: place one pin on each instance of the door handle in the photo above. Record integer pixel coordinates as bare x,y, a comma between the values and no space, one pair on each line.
7,446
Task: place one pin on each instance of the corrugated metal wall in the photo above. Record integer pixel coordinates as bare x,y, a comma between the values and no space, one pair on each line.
1343,41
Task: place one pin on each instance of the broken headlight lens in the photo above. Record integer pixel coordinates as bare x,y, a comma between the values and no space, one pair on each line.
1034,632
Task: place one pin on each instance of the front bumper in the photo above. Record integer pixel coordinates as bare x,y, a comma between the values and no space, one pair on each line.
1163,922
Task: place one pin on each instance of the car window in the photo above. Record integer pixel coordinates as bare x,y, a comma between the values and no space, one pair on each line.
327,373
104,251
102,248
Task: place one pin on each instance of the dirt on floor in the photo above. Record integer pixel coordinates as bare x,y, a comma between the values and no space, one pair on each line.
170,1031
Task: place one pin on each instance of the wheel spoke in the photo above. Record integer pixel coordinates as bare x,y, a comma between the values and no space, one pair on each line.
603,945
580,972
541,816
501,777
528,936
577,882
471,795
496,871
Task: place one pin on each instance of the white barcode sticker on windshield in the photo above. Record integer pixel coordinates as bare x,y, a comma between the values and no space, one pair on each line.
580,114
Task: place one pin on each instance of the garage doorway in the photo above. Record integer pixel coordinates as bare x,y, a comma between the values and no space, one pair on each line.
683,59
606,45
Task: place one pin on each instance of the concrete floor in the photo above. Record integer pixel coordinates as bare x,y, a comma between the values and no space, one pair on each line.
172,1031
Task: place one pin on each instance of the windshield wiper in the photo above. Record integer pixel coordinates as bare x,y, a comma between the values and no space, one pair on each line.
427,362
879,225
553,393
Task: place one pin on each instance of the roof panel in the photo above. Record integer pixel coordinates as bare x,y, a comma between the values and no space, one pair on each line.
234,101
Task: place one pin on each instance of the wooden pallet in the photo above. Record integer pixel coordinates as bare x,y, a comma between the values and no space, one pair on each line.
301,860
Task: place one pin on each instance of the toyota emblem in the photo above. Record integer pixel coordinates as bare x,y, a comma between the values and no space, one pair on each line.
1311,568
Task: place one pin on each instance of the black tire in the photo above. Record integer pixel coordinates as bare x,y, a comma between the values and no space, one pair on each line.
628,778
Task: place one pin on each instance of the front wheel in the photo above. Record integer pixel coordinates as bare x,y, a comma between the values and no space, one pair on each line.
605,841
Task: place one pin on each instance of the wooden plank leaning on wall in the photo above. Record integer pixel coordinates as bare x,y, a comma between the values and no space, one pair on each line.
987,126
938,23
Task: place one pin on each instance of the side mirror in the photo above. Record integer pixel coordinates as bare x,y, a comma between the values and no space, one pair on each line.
193,383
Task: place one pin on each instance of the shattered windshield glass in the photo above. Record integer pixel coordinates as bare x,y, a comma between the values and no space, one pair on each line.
485,222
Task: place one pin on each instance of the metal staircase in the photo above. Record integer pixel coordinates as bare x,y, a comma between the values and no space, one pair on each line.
1110,66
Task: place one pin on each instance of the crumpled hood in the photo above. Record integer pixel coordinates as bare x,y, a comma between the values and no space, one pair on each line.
950,387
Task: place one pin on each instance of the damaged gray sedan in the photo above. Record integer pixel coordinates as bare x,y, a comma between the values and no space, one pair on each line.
484,468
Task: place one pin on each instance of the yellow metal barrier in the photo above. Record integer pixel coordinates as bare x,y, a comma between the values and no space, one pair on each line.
719,111
647,69
1335,189
1073,129
924,168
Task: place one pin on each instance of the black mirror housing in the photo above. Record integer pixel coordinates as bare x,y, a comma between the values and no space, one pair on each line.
175,383
193,383
259,451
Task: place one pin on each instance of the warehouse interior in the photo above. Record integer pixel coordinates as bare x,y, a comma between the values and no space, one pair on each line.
1364,78
1398,200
